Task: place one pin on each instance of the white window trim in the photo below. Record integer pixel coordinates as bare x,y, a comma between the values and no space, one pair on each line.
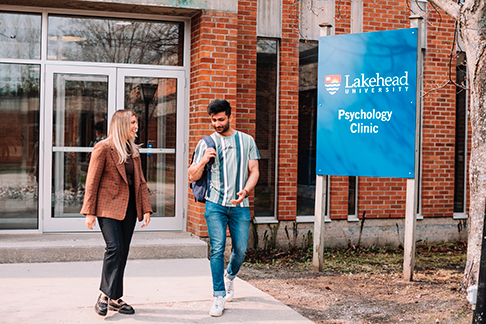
265,220
419,215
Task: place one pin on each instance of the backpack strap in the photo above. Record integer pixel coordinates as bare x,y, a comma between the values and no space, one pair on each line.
210,144
202,187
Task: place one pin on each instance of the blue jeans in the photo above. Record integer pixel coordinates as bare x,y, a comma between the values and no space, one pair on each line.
238,220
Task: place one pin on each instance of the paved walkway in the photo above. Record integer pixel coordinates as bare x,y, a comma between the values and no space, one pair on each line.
161,291
19,248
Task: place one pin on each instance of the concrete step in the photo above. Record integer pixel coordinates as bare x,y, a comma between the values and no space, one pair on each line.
25,248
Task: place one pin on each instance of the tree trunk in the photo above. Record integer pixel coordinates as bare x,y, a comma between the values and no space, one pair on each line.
471,18
474,41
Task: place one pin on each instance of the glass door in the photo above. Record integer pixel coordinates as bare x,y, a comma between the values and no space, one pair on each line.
158,100
79,103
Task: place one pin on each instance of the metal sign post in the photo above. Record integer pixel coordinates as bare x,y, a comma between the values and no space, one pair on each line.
320,204
412,184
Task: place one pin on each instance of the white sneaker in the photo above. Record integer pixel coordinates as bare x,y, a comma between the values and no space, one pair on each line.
230,289
218,306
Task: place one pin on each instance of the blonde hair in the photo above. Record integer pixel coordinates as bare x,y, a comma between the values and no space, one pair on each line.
119,135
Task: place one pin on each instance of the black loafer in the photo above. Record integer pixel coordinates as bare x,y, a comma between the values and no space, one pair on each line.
101,306
121,307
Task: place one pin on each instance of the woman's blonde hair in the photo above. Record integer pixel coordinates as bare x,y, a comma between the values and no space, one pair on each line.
119,135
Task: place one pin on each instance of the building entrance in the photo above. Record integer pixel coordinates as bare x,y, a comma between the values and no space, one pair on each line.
79,103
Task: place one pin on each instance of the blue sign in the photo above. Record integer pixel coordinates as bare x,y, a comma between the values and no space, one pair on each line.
366,104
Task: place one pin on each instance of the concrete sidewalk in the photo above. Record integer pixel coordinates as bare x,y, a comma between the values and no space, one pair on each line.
19,248
161,291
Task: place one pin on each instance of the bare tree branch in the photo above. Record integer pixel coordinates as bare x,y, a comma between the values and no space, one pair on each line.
450,7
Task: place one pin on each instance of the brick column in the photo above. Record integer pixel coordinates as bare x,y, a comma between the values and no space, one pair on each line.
246,76
213,75
288,112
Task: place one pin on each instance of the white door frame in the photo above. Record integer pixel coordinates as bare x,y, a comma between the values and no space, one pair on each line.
61,224
116,77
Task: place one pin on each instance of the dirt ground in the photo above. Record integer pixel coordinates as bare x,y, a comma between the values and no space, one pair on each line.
364,294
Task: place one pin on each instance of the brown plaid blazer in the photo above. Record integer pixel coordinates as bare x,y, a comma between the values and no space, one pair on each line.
107,193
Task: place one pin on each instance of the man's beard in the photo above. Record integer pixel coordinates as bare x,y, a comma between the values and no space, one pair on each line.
224,129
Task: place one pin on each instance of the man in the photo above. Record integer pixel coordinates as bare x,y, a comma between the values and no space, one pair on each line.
234,175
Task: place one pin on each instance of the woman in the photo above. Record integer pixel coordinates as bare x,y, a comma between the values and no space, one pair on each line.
116,193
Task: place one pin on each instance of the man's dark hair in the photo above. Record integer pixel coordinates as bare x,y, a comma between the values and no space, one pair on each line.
218,105
99,126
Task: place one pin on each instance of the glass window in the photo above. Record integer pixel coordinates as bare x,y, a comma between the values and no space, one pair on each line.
20,36
461,132
306,179
110,40
266,124
352,197
19,146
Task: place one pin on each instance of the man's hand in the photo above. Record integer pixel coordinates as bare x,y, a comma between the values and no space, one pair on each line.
241,195
208,154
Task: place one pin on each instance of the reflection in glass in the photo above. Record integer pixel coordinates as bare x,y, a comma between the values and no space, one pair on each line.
19,146
460,157
20,35
80,108
70,169
111,40
266,123
154,101
306,179
157,113
160,170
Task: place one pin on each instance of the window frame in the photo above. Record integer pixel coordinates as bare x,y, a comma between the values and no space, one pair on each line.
269,219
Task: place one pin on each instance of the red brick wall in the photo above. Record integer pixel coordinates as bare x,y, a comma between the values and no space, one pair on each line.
223,64
381,197
213,75
338,197
246,66
342,18
246,69
289,112
439,119
387,15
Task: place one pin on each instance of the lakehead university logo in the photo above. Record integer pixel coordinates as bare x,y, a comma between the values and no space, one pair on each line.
371,84
332,83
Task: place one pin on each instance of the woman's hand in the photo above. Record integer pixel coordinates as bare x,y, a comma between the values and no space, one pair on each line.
146,219
90,221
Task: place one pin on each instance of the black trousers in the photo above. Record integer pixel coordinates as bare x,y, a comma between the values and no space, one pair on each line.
117,235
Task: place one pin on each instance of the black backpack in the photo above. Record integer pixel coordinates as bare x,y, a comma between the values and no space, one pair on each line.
201,186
